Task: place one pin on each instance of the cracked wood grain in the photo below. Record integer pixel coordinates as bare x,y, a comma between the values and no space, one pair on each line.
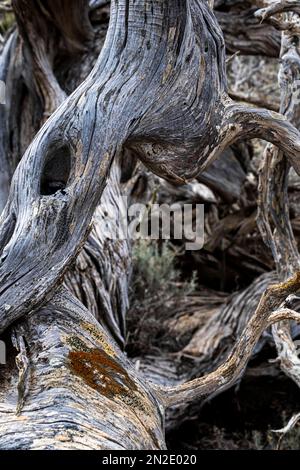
159,89
126,101
273,214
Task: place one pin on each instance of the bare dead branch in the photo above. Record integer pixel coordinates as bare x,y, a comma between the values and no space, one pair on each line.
286,429
277,7
231,369
243,31
252,99
273,214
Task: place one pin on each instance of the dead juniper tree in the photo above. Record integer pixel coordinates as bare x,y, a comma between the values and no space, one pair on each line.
157,93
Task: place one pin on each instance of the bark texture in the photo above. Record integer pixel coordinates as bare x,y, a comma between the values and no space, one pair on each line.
157,92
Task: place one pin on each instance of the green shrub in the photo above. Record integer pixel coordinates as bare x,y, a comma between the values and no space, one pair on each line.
155,281
153,269
7,19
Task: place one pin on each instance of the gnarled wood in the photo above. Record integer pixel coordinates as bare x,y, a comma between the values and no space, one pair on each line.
158,89
81,392
273,216
243,32
109,111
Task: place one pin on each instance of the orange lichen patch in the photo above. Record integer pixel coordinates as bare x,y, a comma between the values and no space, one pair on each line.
101,372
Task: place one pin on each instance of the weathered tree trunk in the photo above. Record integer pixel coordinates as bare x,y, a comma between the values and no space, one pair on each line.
158,89
75,388
92,127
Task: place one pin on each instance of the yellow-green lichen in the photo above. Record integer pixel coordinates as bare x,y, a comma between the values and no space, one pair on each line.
99,336
76,343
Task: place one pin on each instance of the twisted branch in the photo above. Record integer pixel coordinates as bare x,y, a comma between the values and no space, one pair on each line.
273,205
266,314
158,88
